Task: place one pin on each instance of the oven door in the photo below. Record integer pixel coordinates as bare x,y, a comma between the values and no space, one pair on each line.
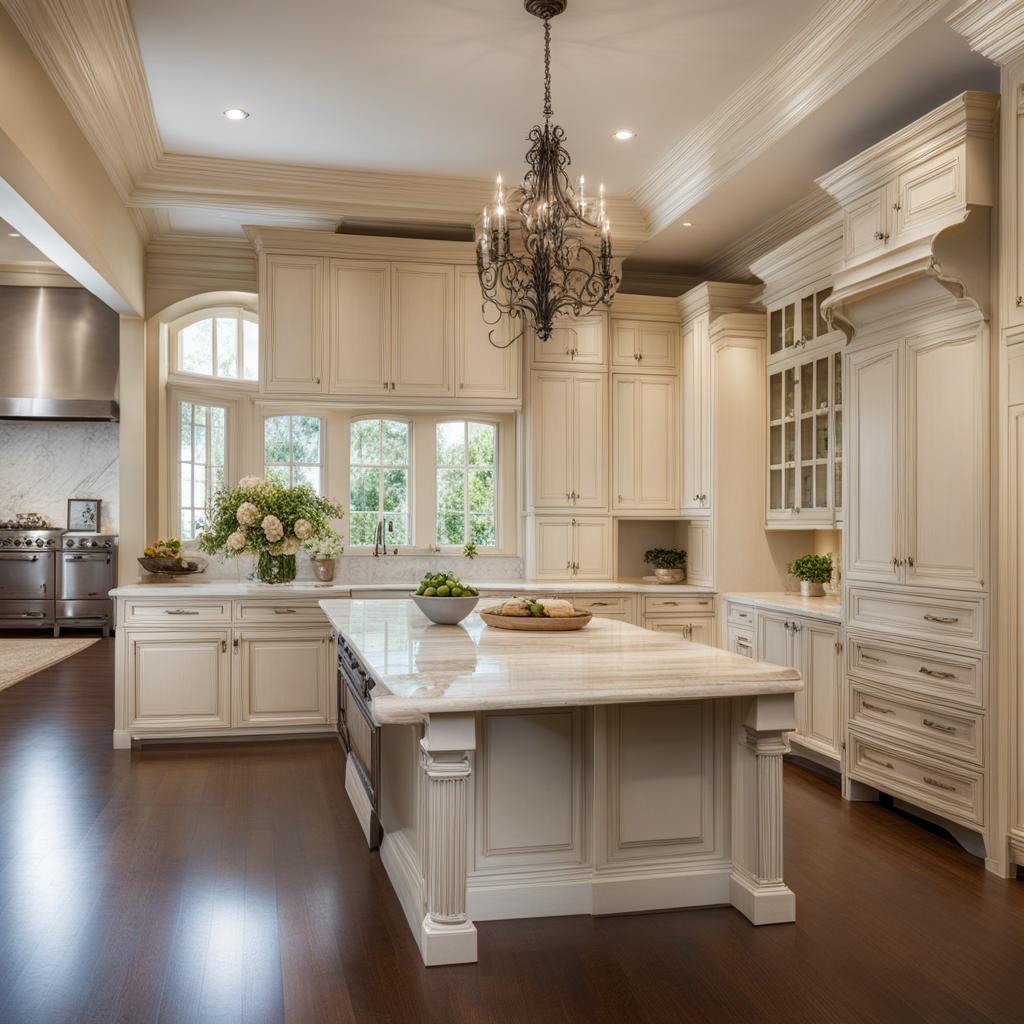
26,575
359,733
85,576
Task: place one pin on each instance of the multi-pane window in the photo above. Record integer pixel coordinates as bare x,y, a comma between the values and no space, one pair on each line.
223,343
378,481
466,492
201,455
291,451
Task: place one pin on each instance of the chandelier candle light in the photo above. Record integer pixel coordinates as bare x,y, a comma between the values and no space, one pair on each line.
550,270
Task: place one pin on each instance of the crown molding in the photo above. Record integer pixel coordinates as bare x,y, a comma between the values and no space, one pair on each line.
90,53
717,298
37,273
812,256
209,263
844,39
303,242
656,307
993,28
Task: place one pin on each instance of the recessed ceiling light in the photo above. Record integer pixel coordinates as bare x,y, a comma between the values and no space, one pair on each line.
687,223
236,114
13,234
624,135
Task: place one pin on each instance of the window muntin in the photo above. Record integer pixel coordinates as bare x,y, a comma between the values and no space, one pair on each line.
292,450
222,344
202,449
466,487
379,480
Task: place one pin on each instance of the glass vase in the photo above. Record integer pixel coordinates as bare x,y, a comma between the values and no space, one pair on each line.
275,568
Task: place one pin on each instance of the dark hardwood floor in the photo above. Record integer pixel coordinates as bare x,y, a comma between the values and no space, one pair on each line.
231,883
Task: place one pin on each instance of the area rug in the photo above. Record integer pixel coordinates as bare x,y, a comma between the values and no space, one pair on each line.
21,658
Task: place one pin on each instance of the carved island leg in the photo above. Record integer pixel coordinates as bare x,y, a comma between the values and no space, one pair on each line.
447,935
756,887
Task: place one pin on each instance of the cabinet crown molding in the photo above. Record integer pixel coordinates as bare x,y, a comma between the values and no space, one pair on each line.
715,298
813,255
993,28
639,307
306,242
969,115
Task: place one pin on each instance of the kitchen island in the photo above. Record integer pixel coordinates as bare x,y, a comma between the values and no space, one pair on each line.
611,770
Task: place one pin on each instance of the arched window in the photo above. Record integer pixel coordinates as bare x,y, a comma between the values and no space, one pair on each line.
467,483
221,343
379,480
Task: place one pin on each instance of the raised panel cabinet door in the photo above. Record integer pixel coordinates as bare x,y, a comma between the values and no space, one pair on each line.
945,476
773,639
292,324
693,413
873,464
702,631
574,341
284,677
656,452
359,331
592,543
625,441
482,369
422,329
821,667
590,440
179,679
657,346
929,191
866,224
1014,305
699,568
553,544
625,343
551,428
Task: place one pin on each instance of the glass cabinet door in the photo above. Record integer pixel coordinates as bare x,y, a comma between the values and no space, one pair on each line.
837,429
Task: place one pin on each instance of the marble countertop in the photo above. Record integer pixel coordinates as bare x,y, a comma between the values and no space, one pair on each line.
311,588
422,669
828,608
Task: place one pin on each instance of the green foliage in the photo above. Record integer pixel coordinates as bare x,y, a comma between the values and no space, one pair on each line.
666,558
328,546
812,568
170,548
469,551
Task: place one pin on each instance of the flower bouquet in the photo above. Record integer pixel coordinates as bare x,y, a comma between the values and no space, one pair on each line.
268,521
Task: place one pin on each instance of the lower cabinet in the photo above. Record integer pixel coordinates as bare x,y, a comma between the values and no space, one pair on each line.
571,548
687,616
700,630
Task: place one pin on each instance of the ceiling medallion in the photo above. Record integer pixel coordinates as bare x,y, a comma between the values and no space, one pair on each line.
547,269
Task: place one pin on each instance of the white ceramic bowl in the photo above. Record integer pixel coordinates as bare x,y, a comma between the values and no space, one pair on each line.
446,611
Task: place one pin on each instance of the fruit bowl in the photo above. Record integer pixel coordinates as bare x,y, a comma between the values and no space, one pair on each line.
445,611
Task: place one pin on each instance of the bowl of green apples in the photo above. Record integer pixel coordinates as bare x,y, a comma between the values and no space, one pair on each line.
444,599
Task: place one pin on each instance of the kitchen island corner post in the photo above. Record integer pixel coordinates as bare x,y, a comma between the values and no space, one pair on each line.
756,886
447,935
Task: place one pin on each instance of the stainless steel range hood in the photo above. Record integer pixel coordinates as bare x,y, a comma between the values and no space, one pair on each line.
59,350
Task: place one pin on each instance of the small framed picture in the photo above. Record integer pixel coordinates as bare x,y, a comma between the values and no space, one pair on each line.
84,514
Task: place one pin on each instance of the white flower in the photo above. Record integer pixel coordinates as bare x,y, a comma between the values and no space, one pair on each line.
247,513
236,541
272,528
252,481
303,529
291,546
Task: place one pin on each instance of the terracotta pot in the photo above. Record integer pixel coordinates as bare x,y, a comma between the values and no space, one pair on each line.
670,575
810,589
324,569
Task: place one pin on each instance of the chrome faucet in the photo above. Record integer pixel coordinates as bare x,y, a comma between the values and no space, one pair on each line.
378,539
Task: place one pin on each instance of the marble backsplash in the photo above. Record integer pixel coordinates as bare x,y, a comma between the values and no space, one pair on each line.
42,464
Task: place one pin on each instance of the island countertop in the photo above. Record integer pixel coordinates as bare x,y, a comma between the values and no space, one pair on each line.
422,669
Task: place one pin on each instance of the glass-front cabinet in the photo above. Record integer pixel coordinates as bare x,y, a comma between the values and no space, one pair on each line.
797,322
805,438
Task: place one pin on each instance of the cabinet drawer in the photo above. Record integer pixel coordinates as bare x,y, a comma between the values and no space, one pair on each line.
741,615
617,606
953,792
279,614
678,604
945,733
955,677
959,621
163,613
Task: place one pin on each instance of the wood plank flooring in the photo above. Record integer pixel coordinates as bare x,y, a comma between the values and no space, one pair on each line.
223,883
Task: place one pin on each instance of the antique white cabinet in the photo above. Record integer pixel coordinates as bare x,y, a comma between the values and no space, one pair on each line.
575,341
571,547
697,417
644,450
482,369
422,330
360,326
292,298
644,346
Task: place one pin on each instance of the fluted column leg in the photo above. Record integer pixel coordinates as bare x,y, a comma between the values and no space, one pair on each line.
757,888
447,935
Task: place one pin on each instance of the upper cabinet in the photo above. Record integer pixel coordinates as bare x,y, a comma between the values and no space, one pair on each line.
695,382
484,368
575,341
291,313
360,326
422,330
644,450
643,346
797,321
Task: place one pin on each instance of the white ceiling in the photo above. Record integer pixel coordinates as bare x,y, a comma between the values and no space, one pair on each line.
448,86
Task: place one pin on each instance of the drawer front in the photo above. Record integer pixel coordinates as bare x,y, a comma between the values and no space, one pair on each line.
953,792
949,621
955,677
163,613
741,615
741,641
942,732
279,614
678,604
608,606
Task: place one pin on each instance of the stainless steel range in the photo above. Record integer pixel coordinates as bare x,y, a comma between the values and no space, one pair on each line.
86,574
28,576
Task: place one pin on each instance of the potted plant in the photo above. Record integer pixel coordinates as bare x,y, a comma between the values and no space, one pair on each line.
268,521
669,564
813,572
322,552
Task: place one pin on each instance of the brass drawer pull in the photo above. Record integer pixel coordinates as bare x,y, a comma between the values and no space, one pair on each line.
668,603
285,611
935,675
947,621
869,657
939,785
938,726
599,604
180,611
880,764
868,706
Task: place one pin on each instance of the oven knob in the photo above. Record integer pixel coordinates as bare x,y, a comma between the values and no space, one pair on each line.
39,542
69,543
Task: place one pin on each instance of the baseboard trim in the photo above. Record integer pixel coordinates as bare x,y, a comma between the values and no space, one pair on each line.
760,903
401,864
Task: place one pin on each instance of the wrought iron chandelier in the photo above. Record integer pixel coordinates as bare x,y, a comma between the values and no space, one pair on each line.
549,270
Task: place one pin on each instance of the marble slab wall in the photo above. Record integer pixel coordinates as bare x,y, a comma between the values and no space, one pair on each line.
43,464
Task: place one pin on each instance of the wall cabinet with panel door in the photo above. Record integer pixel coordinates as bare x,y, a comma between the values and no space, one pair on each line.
575,341
644,450
292,324
569,548
422,330
568,424
359,327
695,383
644,346
482,369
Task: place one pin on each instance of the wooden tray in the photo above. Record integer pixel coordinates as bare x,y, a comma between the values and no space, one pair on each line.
536,623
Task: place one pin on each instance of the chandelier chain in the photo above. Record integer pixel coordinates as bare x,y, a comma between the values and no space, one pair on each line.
547,71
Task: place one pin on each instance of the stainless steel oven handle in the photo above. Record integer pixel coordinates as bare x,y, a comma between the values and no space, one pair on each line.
19,556
26,615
